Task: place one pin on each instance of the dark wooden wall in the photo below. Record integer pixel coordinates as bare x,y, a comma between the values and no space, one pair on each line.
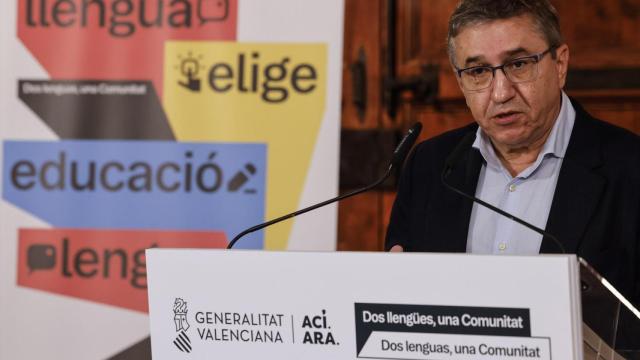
603,36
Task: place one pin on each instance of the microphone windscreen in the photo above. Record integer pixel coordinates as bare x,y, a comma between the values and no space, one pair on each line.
405,144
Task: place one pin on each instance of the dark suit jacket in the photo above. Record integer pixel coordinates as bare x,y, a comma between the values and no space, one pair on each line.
595,211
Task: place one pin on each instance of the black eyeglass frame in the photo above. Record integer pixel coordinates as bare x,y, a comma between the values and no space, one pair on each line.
536,57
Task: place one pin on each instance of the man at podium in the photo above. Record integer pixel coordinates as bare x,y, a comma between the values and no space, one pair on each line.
537,154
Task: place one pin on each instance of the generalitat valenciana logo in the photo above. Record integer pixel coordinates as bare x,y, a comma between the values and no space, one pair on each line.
182,341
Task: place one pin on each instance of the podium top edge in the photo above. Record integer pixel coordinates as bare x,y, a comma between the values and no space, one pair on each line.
359,253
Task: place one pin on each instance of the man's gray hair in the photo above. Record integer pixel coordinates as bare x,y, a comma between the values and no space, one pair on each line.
473,12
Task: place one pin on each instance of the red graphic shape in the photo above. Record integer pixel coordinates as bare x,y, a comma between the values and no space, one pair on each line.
117,39
104,266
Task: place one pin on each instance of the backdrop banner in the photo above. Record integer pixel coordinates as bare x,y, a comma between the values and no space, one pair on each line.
136,124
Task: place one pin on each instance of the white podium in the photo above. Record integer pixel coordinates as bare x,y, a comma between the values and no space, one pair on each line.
218,304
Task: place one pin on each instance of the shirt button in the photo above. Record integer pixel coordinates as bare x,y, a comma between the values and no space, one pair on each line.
512,187
502,246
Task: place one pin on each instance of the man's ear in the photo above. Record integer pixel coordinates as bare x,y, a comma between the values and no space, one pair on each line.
562,63
451,49
455,74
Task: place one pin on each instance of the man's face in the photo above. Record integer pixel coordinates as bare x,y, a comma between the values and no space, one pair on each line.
513,115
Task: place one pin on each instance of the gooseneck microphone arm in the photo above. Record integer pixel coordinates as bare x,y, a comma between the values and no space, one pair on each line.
399,155
307,209
456,154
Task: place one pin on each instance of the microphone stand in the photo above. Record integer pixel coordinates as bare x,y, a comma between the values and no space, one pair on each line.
312,207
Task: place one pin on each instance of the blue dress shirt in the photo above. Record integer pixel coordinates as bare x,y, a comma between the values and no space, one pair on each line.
527,195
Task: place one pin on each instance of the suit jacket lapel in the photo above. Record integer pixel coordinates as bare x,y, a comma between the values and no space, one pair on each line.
579,187
464,176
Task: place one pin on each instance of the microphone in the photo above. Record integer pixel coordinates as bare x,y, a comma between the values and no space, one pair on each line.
450,163
399,154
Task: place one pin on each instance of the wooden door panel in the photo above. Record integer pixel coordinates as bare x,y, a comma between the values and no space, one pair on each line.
361,223
601,33
622,113
362,30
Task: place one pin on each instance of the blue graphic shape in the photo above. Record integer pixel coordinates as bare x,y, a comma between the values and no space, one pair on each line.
161,185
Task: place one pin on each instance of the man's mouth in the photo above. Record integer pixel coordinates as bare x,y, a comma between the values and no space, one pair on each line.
506,117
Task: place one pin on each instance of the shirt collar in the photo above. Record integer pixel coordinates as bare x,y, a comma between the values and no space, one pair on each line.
556,144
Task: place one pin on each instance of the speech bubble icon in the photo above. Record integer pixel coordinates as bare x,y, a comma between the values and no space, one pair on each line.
41,257
212,10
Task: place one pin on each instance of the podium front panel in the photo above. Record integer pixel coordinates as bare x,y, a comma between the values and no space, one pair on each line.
217,304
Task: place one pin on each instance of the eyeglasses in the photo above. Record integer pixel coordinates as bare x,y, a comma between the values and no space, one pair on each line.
516,70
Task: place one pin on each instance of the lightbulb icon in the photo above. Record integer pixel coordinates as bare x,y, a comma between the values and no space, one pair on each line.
190,67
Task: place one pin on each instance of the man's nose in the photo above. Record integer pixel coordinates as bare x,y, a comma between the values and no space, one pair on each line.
502,89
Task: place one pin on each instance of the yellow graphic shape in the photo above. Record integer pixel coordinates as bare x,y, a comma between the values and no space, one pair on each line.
269,93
